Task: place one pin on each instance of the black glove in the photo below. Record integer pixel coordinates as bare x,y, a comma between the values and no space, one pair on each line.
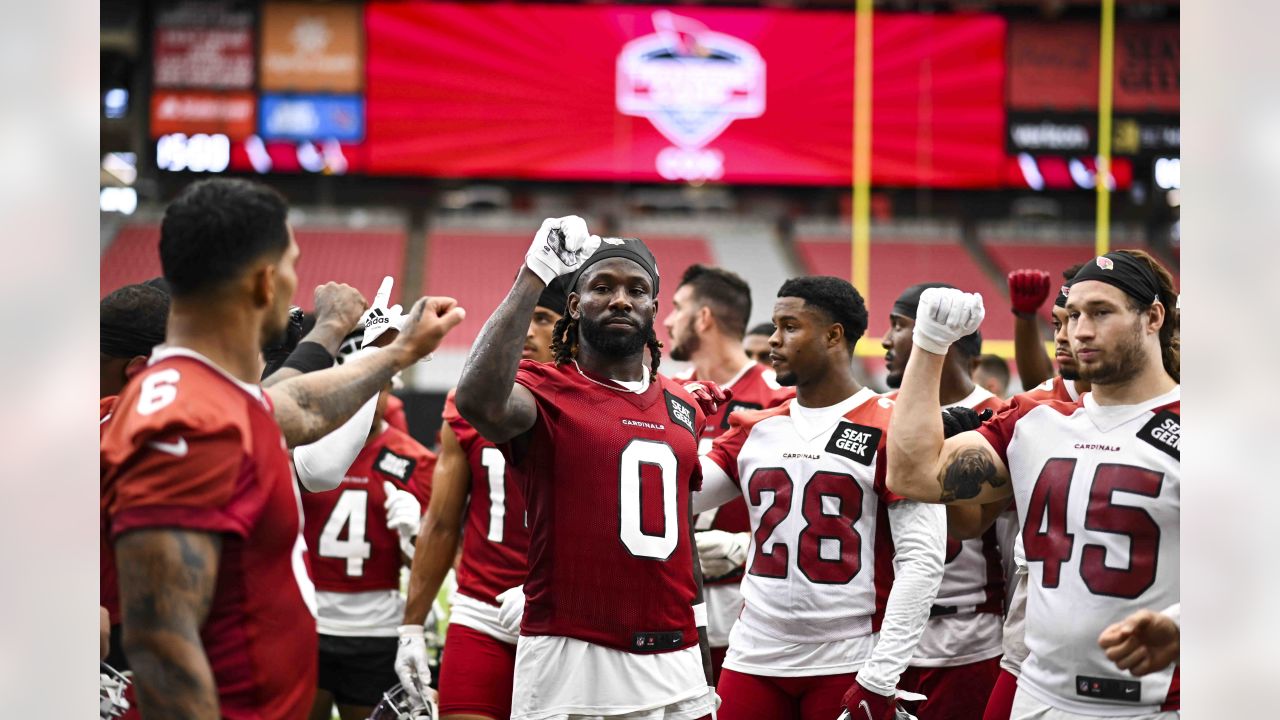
960,419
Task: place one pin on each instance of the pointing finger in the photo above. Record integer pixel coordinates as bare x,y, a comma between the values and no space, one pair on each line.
383,295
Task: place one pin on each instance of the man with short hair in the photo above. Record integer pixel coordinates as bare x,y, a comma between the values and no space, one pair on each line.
476,500
131,321
708,316
991,372
956,662
608,453
1096,482
756,343
828,620
202,509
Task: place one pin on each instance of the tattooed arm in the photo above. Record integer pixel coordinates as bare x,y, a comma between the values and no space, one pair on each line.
167,577
925,467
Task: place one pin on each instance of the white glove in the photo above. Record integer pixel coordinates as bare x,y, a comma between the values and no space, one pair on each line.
411,661
560,247
379,318
944,316
404,513
512,609
721,552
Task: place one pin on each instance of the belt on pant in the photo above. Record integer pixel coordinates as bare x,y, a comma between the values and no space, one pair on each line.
940,610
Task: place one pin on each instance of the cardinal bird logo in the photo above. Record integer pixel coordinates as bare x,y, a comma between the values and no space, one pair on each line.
1105,263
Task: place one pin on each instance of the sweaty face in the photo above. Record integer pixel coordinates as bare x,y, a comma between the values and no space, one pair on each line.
1109,340
615,306
537,342
680,324
1062,346
799,342
897,345
276,322
757,348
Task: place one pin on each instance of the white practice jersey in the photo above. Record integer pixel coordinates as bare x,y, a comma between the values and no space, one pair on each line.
821,562
1097,490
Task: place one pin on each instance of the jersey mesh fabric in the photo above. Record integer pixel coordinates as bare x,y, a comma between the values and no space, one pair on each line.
391,457
607,566
495,540
1098,495
188,447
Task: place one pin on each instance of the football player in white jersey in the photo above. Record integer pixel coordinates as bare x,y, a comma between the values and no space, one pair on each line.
841,573
1096,482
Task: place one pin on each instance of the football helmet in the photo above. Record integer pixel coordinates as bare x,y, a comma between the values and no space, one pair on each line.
112,685
397,705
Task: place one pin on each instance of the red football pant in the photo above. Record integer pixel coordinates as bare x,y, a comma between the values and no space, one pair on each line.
717,662
476,674
1000,706
955,693
751,697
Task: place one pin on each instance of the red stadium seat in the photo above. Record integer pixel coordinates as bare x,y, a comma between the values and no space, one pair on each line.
357,257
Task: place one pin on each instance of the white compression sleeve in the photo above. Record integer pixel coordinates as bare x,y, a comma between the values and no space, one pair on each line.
919,538
322,464
717,487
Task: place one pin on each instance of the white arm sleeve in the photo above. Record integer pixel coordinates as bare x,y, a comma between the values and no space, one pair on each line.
717,487
919,539
322,464
1174,612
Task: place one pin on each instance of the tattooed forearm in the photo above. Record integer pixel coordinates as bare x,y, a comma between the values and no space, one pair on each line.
167,580
965,472
311,406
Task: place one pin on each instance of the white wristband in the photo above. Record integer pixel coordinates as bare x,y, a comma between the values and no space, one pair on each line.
700,614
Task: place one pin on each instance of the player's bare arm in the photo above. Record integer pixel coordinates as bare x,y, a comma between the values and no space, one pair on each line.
311,406
969,522
441,528
338,309
167,578
488,396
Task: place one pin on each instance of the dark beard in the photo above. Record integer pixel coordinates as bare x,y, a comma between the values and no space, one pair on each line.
1066,374
894,380
614,343
788,380
688,347
1127,363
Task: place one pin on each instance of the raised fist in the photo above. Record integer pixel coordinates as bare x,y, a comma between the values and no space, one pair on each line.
944,316
426,325
560,247
1028,289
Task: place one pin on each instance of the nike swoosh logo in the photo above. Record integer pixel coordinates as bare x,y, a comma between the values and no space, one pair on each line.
177,449
864,707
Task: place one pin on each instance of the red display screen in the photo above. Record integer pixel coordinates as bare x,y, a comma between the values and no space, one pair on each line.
652,94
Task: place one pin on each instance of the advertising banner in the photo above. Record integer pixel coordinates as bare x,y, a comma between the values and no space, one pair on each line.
310,47
230,114
681,94
312,117
204,44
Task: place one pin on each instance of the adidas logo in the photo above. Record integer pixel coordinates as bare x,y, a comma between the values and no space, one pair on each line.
377,318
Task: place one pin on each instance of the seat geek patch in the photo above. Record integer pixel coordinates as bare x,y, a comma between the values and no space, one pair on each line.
1164,432
735,406
681,413
854,441
397,466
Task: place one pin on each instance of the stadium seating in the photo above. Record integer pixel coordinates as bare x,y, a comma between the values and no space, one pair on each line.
358,257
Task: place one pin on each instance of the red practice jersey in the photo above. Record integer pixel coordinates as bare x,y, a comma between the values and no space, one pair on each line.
495,540
1055,388
190,447
755,388
394,416
350,546
607,477
108,588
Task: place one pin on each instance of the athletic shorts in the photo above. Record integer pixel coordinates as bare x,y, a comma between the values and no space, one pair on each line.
475,674
357,670
954,693
1000,705
752,697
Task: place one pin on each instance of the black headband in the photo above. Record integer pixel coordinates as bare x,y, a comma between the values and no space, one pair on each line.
1063,292
627,248
1120,270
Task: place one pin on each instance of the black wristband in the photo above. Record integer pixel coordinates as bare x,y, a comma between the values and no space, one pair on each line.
309,357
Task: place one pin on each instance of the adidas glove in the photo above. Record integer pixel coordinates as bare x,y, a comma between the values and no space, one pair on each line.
560,247
1028,289
411,664
404,512
721,552
944,316
379,318
962,419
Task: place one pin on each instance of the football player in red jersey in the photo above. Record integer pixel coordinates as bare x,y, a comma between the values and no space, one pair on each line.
607,450
476,499
828,619
357,537
203,512
1083,473
706,324
131,321
957,660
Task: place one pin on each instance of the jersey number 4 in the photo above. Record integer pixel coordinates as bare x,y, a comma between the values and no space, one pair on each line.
1047,540
348,512
831,507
